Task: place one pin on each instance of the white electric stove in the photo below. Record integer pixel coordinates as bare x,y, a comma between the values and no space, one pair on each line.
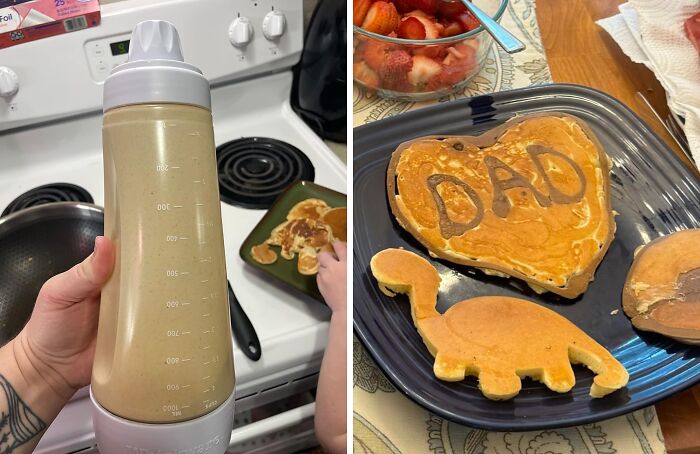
50,132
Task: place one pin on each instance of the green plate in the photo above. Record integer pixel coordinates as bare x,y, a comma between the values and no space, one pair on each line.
282,269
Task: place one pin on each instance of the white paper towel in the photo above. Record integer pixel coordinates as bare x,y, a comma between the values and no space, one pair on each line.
651,32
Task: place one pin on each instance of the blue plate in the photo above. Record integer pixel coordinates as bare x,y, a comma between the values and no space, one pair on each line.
654,194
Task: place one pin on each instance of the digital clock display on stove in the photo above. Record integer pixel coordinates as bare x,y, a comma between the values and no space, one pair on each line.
119,48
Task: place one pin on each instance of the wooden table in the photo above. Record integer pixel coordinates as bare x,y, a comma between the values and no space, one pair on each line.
579,51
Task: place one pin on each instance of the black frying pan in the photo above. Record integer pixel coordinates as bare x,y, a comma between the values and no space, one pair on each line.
36,244
40,242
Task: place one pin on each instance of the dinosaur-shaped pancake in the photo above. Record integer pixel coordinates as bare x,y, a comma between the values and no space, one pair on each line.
495,338
529,199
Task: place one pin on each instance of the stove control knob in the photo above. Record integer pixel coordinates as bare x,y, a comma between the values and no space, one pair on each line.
240,33
273,25
9,82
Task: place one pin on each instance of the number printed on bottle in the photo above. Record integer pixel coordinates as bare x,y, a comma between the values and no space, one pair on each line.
163,206
162,167
171,360
173,409
172,273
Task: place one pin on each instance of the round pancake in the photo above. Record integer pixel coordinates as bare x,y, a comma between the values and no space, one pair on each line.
662,291
336,218
263,254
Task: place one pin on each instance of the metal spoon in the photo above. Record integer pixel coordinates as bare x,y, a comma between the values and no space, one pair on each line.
503,37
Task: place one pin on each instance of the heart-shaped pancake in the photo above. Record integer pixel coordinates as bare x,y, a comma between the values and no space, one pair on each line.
528,199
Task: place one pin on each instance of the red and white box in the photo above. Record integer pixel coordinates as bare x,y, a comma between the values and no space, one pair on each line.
22,21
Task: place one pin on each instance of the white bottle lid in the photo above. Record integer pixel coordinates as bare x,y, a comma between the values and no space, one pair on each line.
156,71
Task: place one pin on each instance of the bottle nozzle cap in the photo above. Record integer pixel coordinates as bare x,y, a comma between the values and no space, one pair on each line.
155,40
156,71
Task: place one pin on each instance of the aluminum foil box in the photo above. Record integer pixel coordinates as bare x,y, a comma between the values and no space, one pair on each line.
22,21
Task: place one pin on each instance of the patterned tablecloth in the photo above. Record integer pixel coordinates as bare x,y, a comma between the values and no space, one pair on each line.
384,420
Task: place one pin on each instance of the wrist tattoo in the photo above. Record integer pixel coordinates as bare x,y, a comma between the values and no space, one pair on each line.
18,423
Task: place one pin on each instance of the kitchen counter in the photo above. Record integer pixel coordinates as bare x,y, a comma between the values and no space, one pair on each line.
579,51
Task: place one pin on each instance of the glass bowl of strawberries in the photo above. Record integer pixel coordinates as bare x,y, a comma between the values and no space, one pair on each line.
419,49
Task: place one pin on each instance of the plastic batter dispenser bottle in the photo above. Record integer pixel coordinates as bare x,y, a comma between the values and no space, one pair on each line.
163,375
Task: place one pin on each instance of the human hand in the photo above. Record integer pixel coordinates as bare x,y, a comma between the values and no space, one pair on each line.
60,337
332,277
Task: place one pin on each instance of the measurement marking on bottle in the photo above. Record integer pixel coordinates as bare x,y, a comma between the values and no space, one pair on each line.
196,181
174,167
185,406
173,409
184,360
202,242
204,298
205,364
185,304
176,333
184,238
206,348
185,386
199,204
207,332
177,206
206,378
184,273
196,133
204,281
206,315
205,260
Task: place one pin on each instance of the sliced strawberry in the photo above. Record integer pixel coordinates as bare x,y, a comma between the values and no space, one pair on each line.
394,71
382,18
435,51
456,71
427,6
451,9
452,28
453,74
411,28
375,53
423,69
365,75
468,21
434,84
432,28
460,51
458,64
359,11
